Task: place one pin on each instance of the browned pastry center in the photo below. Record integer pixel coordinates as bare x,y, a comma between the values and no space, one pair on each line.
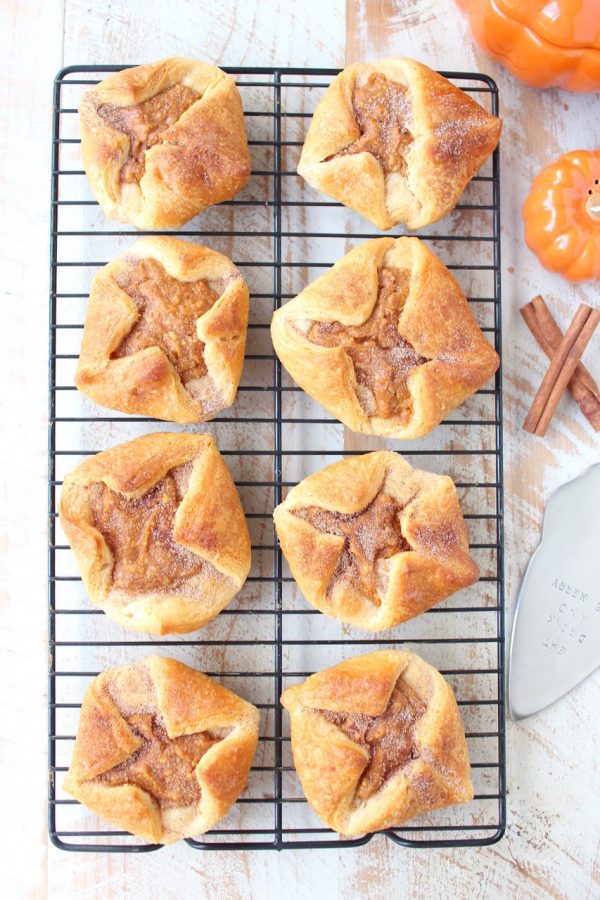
371,534
164,767
381,109
382,358
389,738
139,534
168,310
147,124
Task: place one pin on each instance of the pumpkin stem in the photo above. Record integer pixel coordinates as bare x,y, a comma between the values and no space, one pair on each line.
592,206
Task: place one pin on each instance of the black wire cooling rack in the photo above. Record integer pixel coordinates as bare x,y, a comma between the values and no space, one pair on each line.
282,235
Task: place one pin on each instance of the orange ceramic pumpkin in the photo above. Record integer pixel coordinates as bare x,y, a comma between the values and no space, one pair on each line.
544,43
562,216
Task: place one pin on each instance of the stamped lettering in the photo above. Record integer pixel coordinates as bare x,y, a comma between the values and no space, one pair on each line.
566,620
570,590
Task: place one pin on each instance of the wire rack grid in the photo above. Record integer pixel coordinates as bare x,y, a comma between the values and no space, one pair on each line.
282,235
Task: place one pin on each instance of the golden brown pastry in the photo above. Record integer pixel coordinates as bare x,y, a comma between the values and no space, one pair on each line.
385,340
161,750
158,531
374,542
165,332
162,141
396,142
377,740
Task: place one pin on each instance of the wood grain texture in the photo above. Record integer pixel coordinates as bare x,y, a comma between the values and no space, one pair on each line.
551,847
31,51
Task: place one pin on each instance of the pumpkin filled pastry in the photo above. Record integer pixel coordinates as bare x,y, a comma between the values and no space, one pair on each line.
374,542
161,750
396,142
377,740
165,332
163,141
158,531
385,340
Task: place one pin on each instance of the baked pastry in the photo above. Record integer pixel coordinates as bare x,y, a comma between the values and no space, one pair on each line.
161,750
377,740
373,542
162,141
396,142
385,340
165,332
158,531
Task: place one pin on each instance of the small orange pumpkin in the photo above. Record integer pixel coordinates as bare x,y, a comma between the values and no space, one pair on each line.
562,216
544,43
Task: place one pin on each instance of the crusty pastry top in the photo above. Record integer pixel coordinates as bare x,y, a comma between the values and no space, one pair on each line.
168,310
396,142
382,111
162,141
374,542
388,738
161,766
139,533
165,332
158,531
371,534
382,358
385,340
147,123
161,750
376,740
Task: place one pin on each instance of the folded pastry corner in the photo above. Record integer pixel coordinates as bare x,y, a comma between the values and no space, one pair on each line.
158,531
376,740
396,142
385,340
161,751
163,141
373,542
165,332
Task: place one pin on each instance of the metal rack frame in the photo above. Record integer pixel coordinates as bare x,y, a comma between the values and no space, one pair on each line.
275,835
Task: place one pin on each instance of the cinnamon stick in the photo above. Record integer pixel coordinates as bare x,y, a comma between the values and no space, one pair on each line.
582,386
555,335
561,369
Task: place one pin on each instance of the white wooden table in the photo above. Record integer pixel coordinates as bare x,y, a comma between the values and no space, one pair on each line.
551,848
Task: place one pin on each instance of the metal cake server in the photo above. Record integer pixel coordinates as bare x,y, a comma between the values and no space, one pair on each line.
556,633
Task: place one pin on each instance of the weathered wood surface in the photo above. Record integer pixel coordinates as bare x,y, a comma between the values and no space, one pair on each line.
551,846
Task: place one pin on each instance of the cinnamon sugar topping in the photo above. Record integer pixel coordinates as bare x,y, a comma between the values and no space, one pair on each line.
147,123
139,534
373,533
382,110
389,738
164,767
168,310
382,358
